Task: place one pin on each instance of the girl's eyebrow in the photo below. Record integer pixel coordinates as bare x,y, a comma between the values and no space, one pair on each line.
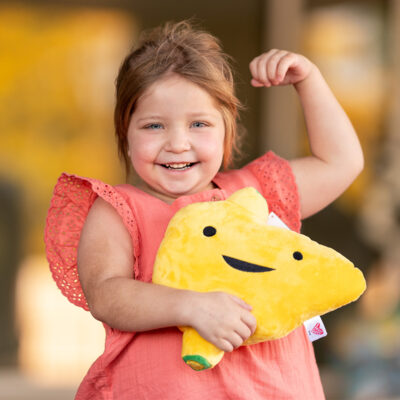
213,114
203,114
147,117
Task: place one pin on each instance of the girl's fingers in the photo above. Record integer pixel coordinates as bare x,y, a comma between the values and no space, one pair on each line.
253,68
225,345
256,83
262,66
262,61
244,332
284,64
242,303
235,340
271,67
250,321
258,69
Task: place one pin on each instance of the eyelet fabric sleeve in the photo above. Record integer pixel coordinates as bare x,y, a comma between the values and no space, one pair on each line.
72,199
279,187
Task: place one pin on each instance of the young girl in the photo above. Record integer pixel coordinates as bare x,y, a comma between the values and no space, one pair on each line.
175,121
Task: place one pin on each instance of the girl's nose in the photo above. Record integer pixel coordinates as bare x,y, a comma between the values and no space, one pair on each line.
177,141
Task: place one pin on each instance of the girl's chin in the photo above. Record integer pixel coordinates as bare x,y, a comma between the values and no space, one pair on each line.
170,191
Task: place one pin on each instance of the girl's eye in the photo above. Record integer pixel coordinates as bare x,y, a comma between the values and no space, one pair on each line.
153,126
198,124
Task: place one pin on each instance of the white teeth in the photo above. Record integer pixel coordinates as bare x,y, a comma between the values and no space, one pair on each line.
178,165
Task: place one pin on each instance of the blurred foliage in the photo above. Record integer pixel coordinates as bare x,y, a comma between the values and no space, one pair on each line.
58,68
353,45
346,41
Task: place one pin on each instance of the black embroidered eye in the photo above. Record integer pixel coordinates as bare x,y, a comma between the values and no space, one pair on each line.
209,231
297,255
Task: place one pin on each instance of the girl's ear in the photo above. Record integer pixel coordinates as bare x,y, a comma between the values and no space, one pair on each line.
129,153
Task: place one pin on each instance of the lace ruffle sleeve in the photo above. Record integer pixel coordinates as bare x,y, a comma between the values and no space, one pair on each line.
72,198
279,187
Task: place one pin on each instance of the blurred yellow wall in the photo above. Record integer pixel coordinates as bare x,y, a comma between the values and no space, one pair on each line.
58,68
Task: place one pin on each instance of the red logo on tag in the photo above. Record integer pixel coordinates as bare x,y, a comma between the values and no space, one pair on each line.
317,329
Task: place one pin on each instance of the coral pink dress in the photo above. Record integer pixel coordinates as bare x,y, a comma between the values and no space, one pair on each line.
148,365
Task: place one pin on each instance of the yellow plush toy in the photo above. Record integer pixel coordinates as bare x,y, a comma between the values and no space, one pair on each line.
228,246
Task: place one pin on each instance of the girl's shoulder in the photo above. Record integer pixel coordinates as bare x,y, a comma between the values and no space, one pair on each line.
77,194
72,199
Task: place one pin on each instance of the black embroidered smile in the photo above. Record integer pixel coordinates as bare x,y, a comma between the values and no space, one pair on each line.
245,266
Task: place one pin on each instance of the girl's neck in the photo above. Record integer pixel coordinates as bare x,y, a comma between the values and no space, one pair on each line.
165,197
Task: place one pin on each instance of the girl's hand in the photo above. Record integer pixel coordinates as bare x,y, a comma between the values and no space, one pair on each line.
278,68
221,318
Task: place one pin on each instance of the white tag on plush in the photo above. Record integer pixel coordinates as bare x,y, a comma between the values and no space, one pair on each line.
315,328
274,220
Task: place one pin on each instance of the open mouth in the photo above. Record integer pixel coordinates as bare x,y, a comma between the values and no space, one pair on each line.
245,266
178,166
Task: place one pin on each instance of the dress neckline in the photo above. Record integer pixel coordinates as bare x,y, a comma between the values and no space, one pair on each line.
215,194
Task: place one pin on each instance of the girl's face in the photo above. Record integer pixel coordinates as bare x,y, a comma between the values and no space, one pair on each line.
176,138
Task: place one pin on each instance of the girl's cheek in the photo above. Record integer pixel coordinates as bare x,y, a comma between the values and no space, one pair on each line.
213,143
143,145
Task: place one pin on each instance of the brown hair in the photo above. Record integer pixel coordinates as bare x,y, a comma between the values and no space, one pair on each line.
191,53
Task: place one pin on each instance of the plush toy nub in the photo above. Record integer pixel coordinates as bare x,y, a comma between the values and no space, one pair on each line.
227,246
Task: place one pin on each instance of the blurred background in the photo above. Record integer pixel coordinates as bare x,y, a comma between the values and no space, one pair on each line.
58,63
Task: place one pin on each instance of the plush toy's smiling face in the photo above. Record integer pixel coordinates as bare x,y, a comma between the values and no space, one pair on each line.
228,246
245,266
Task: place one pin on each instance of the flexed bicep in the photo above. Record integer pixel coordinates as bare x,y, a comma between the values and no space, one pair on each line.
320,183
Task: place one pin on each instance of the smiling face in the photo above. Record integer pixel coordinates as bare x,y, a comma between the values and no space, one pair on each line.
176,138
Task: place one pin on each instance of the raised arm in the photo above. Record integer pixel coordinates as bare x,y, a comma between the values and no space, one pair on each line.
336,156
105,266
